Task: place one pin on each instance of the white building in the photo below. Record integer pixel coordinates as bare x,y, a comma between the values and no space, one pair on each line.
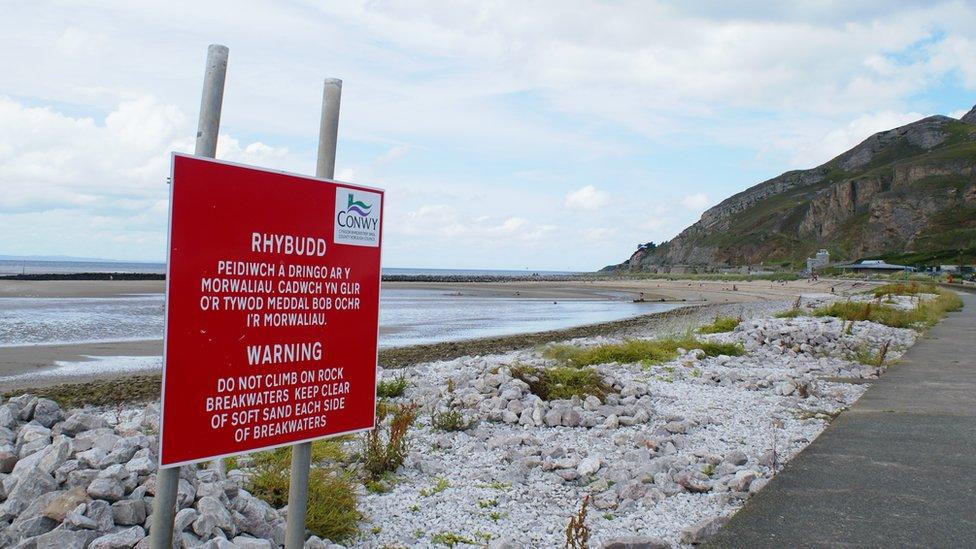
819,261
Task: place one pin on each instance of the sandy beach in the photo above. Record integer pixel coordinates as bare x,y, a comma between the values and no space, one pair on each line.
34,365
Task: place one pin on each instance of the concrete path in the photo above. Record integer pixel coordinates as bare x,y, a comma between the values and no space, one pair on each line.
896,470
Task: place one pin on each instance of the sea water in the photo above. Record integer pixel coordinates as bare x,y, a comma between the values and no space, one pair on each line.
407,317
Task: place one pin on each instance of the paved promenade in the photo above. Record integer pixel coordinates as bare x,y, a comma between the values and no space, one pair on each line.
896,470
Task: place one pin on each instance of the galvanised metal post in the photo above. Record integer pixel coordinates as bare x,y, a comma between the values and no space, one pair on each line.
301,454
167,480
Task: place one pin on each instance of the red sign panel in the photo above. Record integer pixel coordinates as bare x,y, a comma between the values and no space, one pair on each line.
272,304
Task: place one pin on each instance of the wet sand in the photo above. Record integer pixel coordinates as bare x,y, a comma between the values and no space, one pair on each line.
20,360
79,288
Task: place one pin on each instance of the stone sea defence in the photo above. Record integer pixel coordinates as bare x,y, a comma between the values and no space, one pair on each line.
664,448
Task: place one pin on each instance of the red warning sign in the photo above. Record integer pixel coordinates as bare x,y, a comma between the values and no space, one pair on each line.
272,306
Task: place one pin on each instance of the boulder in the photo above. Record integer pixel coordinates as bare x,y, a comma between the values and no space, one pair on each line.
589,465
77,520
737,458
636,542
213,514
106,487
184,518
81,421
47,412
247,542
63,538
101,512
8,458
65,502
31,486
129,512
123,539
702,530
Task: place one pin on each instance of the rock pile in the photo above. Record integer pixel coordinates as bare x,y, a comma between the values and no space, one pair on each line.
87,479
668,453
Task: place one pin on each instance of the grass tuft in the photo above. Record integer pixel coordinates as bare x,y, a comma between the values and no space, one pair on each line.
391,388
645,351
561,382
385,447
450,420
719,325
332,510
925,314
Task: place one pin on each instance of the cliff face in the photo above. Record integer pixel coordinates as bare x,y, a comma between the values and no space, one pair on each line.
907,193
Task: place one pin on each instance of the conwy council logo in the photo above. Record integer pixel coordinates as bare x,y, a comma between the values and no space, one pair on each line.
357,217
358,206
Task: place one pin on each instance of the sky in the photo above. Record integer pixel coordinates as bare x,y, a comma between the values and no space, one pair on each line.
508,135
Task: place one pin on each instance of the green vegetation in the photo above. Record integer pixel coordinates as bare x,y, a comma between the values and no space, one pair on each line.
106,392
908,288
577,532
380,485
451,539
329,449
332,511
391,388
645,351
439,486
495,485
385,447
715,277
925,314
450,420
561,382
720,324
789,313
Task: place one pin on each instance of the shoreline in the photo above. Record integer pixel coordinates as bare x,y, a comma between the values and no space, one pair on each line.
24,360
140,387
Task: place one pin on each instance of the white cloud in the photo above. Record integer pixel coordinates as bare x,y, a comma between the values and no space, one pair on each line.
99,189
586,198
395,152
819,149
491,102
959,113
696,202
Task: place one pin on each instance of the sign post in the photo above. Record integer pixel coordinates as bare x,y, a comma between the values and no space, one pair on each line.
301,454
167,480
272,313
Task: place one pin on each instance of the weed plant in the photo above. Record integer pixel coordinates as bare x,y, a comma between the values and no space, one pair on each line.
385,447
391,388
719,325
332,504
645,351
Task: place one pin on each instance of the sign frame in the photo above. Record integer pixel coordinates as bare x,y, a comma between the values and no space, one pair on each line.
169,251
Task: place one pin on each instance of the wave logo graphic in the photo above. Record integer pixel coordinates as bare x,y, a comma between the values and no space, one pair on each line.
358,206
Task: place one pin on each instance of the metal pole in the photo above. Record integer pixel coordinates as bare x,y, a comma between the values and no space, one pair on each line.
211,100
329,128
301,454
167,480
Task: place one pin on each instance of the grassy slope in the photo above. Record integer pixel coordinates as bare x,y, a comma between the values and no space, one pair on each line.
769,228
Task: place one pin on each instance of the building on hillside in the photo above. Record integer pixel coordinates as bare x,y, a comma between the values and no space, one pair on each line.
817,262
874,266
